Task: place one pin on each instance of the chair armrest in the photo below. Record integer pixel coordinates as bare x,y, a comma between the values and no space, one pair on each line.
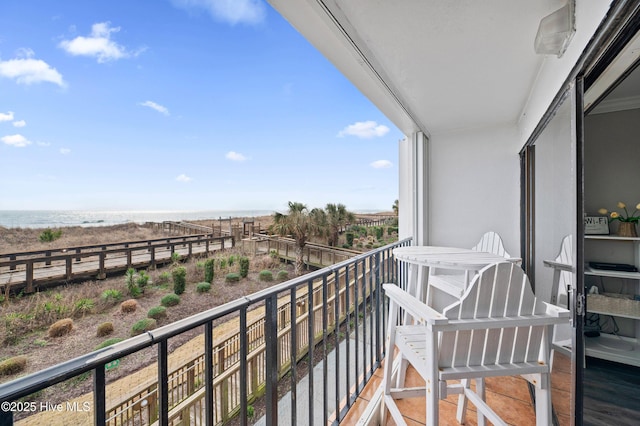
557,311
413,306
557,265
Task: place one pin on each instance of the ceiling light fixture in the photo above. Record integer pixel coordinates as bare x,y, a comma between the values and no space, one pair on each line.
556,31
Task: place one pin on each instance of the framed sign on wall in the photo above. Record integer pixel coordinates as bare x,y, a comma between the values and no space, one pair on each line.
596,225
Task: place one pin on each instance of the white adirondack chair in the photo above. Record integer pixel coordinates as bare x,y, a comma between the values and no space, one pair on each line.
453,282
563,270
498,328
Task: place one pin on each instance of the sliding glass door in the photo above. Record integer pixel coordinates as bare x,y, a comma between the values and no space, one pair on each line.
552,206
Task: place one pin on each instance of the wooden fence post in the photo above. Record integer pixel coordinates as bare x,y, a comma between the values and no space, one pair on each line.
152,261
101,272
48,254
12,267
29,277
68,261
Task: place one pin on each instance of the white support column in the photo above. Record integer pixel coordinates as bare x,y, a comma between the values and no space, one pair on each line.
414,182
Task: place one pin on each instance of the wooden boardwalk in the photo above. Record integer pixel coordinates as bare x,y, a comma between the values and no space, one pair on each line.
30,270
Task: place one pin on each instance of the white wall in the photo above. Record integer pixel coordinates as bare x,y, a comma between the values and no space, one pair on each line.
475,187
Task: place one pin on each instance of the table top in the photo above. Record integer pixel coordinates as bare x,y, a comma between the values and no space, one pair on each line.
446,257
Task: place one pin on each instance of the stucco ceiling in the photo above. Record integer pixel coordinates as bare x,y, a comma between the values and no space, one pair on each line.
451,64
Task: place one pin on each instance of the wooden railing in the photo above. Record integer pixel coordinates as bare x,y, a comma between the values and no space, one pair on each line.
29,270
316,255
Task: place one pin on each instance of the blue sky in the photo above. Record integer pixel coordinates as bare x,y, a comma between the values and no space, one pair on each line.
180,105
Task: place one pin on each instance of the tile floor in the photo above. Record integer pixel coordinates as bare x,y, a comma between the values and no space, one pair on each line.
507,396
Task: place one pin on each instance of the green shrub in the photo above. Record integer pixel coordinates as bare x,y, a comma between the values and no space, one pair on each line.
83,306
233,277
350,236
203,287
164,278
142,279
392,229
265,275
231,260
283,275
273,254
132,286
157,312
104,329
170,299
208,270
379,232
223,263
49,235
179,279
175,257
143,325
111,296
108,342
244,266
13,365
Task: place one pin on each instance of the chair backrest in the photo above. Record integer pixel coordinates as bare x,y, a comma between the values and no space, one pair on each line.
497,291
491,243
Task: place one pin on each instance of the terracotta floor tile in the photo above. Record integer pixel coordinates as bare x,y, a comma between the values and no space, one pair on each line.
561,362
512,386
561,402
512,411
564,420
355,411
560,381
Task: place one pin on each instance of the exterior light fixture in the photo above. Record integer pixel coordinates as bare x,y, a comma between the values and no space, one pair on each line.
556,31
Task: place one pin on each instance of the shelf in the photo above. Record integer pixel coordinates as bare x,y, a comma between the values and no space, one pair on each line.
624,350
614,274
611,314
610,238
613,348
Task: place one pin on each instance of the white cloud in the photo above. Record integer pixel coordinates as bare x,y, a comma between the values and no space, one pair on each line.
150,104
235,156
230,11
381,164
15,140
65,151
6,116
98,44
364,130
43,143
28,71
183,178
19,123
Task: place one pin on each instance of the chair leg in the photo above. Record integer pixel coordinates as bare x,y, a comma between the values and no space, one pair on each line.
543,401
462,403
402,372
432,380
482,393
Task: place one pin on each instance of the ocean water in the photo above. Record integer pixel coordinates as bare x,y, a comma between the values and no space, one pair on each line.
58,218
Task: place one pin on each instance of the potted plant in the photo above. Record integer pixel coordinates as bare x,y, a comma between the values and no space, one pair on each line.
627,227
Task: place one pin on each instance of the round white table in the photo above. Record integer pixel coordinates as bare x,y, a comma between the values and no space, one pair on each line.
421,258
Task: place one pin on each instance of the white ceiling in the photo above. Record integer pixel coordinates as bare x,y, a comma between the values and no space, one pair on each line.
451,64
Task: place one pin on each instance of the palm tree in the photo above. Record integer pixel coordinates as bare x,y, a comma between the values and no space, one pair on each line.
300,223
396,206
337,217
